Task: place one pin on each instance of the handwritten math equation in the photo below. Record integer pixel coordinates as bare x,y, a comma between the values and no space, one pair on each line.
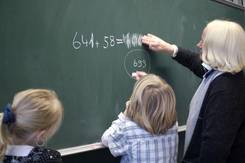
130,40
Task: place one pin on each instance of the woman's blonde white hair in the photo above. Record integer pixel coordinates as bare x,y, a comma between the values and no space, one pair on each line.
35,110
224,46
152,105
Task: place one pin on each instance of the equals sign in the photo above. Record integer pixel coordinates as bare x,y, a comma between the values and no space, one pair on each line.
119,41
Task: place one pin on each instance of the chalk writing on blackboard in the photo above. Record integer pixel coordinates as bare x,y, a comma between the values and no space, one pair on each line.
129,40
137,60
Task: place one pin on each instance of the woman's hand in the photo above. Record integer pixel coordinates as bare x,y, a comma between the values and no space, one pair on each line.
157,44
138,74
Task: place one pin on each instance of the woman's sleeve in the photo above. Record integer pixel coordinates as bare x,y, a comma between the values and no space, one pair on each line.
114,137
190,60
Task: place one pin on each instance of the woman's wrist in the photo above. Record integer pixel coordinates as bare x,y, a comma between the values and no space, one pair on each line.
175,50
170,49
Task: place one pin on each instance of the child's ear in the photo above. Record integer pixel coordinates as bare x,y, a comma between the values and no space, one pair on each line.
40,138
41,135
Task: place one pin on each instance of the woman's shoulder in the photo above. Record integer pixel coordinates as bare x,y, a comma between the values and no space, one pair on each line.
41,154
229,82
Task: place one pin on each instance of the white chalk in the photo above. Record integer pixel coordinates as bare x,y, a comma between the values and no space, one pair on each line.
134,74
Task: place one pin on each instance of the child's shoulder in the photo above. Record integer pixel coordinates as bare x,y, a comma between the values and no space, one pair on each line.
41,154
124,121
36,155
124,124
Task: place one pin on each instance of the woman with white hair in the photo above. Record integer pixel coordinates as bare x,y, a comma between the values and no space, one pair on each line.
215,130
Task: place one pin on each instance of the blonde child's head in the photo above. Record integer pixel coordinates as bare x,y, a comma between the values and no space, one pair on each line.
34,116
152,104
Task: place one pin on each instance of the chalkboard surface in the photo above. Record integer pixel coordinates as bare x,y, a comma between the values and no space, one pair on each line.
86,50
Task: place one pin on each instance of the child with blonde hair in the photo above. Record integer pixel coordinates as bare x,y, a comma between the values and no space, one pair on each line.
147,130
26,125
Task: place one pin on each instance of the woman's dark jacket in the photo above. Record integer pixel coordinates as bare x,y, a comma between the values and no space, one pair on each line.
219,135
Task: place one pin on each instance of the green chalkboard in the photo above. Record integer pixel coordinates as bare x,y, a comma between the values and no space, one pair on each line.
86,50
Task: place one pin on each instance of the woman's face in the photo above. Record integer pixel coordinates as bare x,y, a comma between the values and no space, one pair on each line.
201,43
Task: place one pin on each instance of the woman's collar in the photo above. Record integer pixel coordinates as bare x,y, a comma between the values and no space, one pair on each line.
205,65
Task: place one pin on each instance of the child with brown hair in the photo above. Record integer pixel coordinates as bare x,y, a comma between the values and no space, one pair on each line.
26,125
147,130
